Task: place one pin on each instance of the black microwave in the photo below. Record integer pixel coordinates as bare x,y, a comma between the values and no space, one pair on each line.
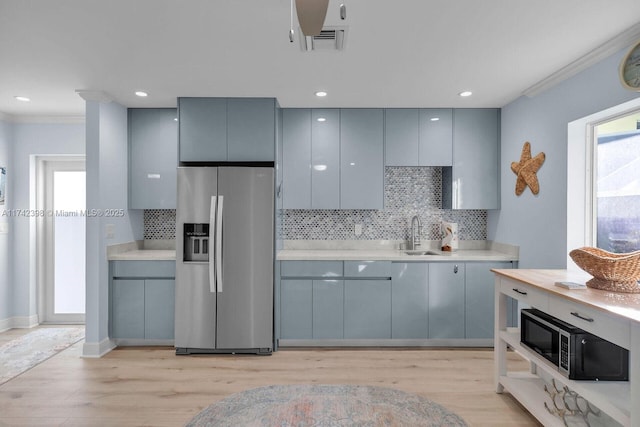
578,354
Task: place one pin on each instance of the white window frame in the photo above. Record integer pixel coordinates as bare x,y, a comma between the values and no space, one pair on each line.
581,146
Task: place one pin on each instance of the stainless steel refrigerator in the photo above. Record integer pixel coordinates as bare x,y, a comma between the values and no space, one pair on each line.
224,260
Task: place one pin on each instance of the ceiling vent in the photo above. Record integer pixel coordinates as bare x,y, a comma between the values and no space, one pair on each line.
330,38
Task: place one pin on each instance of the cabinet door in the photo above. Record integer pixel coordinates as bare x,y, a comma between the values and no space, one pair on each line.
436,137
153,158
127,308
446,300
479,298
251,129
410,300
401,136
325,159
361,159
296,309
328,309
159,307
474,180
367,309
202,129
296,158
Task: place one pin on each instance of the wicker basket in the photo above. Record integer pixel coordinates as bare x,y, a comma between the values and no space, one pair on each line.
610,271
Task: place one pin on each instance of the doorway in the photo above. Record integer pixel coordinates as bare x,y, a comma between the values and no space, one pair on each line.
61,236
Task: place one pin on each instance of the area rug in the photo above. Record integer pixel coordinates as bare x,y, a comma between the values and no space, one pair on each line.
325,406
25,352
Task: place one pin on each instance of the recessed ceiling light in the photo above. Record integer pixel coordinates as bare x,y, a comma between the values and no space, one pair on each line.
22,98
175,119
321,119
321,93
435,119
466,93
141,93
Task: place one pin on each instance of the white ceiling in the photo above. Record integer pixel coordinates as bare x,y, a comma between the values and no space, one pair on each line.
399,53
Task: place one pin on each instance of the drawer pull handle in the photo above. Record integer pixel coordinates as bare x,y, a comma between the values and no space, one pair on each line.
579,316
519,291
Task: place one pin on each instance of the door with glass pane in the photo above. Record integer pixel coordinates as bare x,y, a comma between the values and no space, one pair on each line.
64,239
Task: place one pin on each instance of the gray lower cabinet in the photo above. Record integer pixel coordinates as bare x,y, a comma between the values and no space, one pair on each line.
367,309
328,309
311,309
227,129
479,298
410,300
296,309
142,300
153,157
446,300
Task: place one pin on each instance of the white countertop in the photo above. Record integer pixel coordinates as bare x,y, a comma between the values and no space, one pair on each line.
392,255
147,250
385,250
145,255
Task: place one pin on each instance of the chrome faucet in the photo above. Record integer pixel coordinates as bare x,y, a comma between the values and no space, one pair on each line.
416,230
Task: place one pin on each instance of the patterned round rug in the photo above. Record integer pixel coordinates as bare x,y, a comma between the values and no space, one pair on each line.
326,406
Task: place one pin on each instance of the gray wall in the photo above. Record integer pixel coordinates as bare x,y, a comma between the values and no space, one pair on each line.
538,224
29,140
106,142
5,253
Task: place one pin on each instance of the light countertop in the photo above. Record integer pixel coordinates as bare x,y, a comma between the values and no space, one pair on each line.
388,251
148,250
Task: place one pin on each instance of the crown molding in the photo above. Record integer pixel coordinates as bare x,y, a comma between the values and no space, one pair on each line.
621,41
94,95
49,119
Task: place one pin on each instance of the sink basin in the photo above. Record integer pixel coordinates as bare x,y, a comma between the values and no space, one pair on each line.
422,252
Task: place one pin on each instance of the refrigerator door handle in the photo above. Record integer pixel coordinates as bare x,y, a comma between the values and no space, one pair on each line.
219,243
212,271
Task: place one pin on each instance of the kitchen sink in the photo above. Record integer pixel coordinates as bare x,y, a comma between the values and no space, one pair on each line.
422,252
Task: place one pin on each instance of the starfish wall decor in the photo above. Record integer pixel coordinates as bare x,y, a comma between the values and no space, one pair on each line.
526,170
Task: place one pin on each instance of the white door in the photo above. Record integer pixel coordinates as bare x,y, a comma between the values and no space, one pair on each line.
63,194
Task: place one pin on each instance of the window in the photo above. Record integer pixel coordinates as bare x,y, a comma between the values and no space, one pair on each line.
616,184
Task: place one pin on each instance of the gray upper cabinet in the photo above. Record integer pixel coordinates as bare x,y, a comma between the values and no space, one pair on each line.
153,158
472,182
401,136
311,165
418,137
296,158
436,137
361,159
227,129
203,129
251,129
325,159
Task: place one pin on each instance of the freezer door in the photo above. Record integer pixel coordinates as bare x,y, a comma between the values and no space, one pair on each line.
195,308
245,304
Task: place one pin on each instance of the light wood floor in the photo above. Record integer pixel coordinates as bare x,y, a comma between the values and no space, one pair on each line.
153,387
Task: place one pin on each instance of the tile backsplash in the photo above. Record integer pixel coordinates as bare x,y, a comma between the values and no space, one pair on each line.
408,191
159,224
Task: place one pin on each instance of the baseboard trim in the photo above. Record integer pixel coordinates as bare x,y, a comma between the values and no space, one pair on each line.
19,322
97,349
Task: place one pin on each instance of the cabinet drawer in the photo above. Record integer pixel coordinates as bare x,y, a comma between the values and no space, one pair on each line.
311,269
526,294
144,269
598,323
367,269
